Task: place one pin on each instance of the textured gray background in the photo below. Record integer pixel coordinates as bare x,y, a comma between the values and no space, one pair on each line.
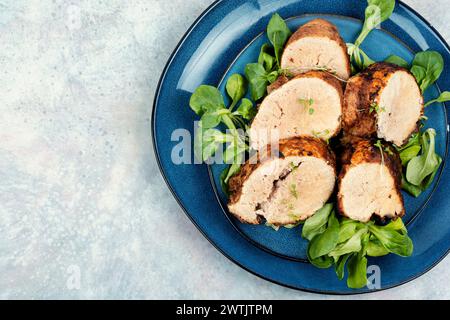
80,192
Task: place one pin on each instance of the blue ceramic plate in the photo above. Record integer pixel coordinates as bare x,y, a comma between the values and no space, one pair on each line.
221,42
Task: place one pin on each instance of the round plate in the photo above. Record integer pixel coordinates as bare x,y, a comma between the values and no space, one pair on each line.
224,38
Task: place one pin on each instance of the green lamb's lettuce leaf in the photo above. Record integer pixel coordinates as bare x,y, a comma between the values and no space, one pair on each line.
294,225
347,230
246,109
359,57
340,266
211,119
422,163
366,60
208,103
413,141
376,12
409,153
413,190
375,248
395,241
357,266
351,245
267,70
233,152
226,174
386,8
357,271
396,225
333,241
207,141
323,262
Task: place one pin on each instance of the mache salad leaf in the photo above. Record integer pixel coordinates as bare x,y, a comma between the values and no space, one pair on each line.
377,11
208,103
427,67
332,240
278,33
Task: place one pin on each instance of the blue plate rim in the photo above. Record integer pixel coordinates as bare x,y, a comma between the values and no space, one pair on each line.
158,160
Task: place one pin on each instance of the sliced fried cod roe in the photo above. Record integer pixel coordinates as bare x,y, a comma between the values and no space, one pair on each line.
369,183
308,105
317,44
285,188
383,101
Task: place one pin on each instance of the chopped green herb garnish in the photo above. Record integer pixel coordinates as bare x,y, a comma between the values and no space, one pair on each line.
293,190
311,111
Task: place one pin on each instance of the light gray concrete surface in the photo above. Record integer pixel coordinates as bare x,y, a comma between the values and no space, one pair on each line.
84,212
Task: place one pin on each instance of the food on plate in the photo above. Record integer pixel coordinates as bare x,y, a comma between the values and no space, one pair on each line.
306,108
370,182
383,101
308,105
284,186
317,44
377,11
277,84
